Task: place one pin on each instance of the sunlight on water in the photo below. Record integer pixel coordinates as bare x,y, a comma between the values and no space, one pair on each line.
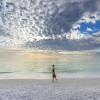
37,65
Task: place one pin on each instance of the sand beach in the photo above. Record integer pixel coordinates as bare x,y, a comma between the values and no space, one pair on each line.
63,89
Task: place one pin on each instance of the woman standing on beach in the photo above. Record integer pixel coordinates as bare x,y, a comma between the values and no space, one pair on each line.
53,73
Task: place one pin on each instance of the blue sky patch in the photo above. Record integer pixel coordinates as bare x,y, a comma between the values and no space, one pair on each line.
89,28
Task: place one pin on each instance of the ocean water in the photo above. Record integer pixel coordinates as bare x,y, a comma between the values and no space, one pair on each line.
20,64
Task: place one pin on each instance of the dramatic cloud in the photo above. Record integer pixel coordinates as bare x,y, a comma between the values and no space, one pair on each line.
4,33
65,16
65,44
50,24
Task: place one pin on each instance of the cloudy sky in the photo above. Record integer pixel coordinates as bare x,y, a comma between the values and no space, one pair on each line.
50,24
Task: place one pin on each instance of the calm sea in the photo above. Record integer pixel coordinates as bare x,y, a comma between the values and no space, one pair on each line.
16,64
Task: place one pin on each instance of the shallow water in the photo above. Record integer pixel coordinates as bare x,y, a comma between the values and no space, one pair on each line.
16,64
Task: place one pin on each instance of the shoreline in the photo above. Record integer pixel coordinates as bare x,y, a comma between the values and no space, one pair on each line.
65,82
